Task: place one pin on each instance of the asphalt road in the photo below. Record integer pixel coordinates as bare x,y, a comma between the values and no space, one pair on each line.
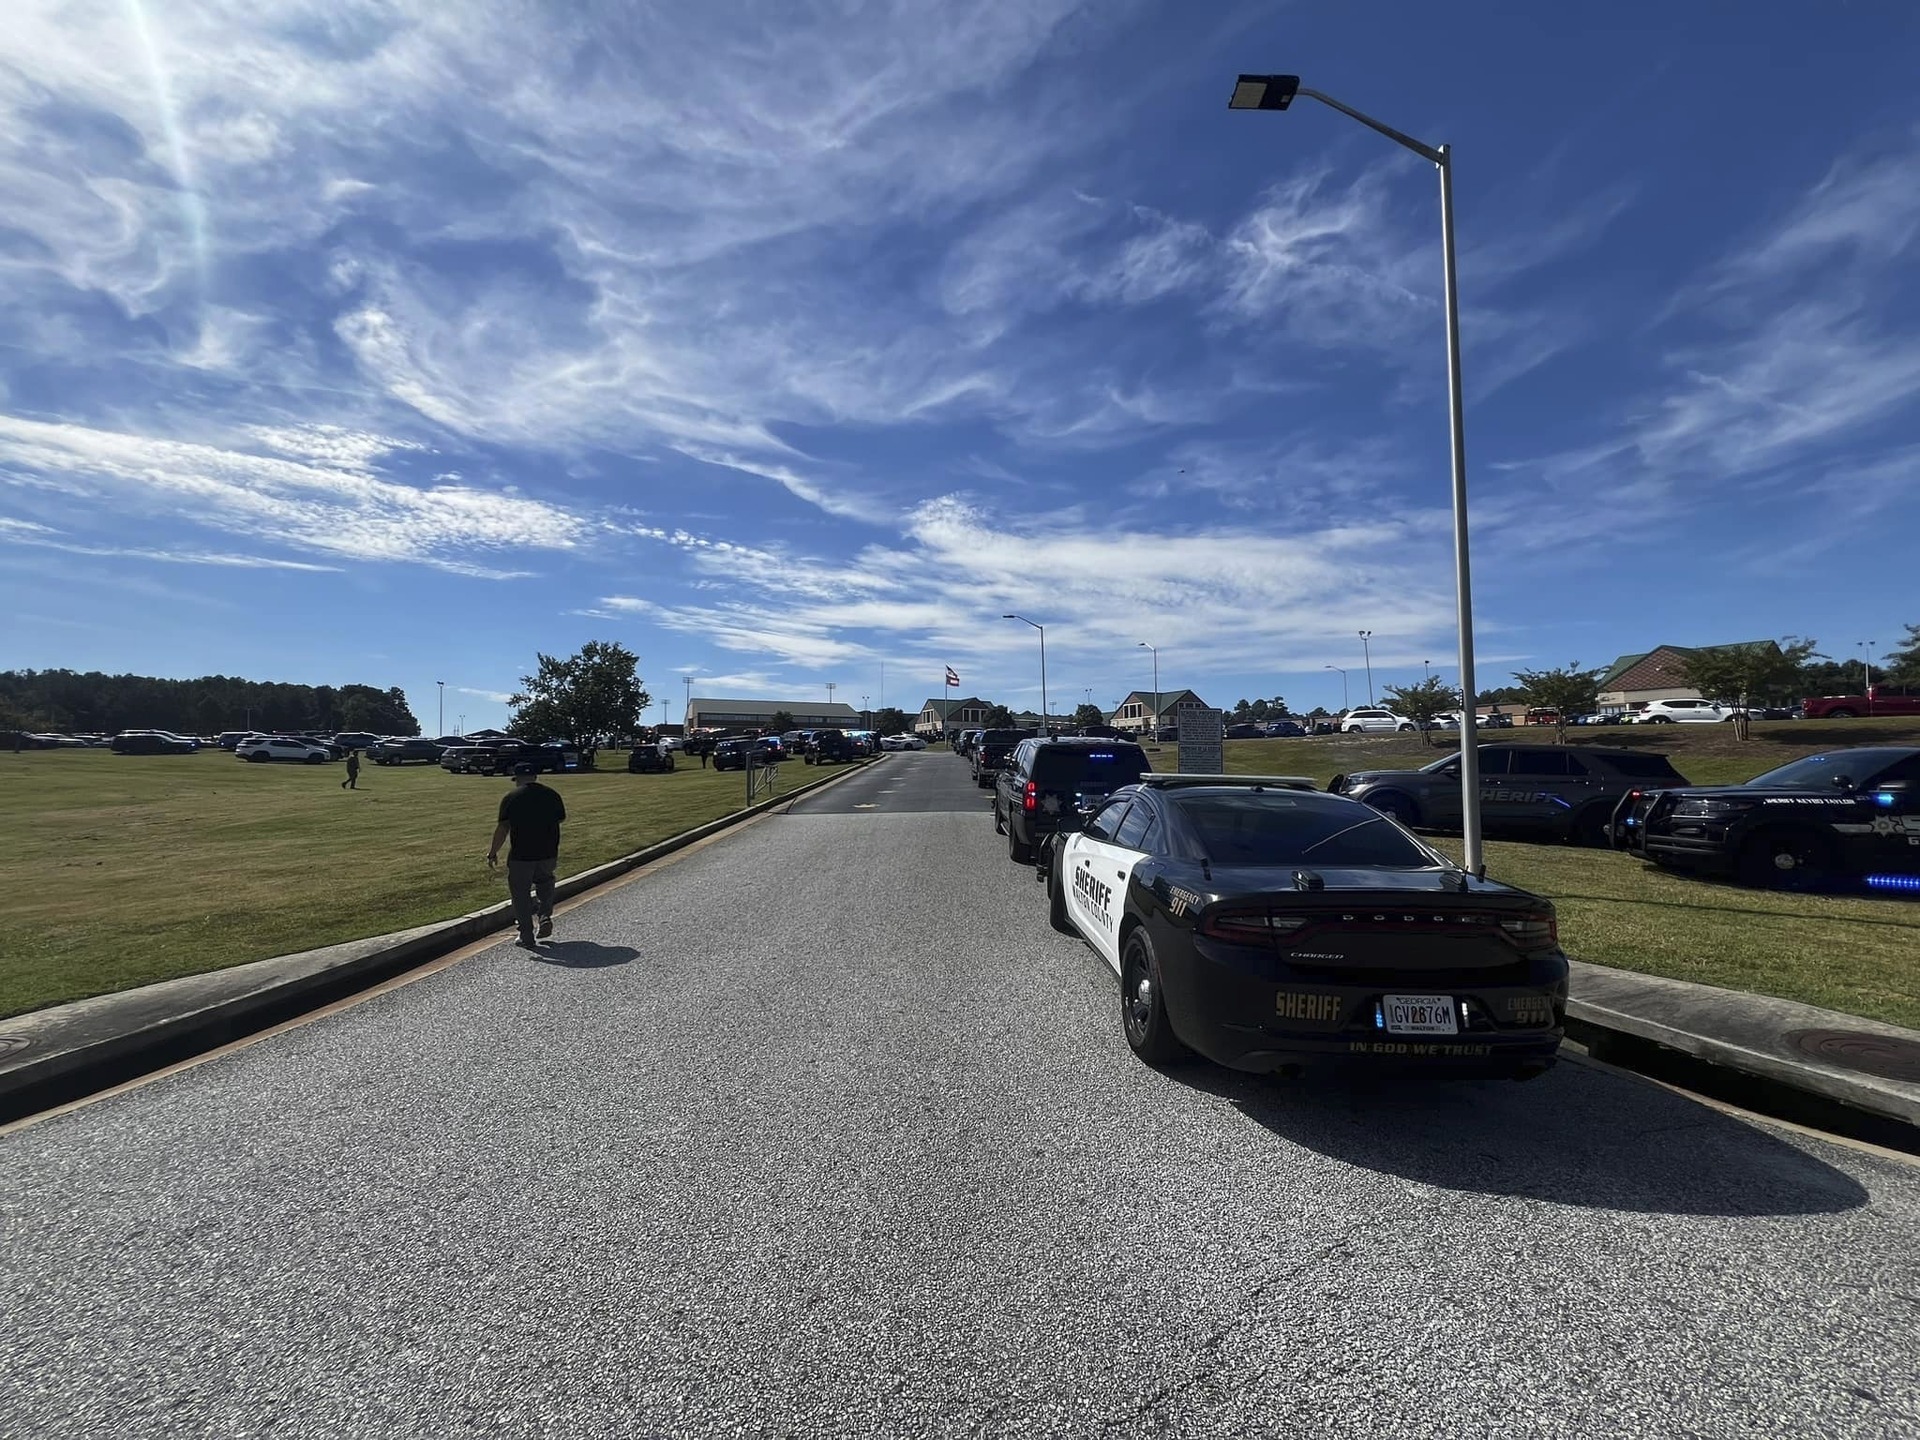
821,1129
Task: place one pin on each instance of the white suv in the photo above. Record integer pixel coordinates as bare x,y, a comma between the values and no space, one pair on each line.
280,748
1670,712
1368,721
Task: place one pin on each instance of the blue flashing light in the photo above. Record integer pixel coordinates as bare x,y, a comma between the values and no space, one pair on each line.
1099,755
1563,804
1379,1015
1884,797
1894,882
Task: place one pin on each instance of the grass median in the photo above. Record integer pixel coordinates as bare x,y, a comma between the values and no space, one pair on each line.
142,868
1860,956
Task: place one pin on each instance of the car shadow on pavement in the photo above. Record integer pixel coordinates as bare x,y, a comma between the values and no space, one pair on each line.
1577,1136
583,954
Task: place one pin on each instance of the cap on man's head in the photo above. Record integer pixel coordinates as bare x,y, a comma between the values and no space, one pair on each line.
526,768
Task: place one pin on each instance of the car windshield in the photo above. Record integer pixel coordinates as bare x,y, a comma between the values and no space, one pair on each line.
1820,772
1267,828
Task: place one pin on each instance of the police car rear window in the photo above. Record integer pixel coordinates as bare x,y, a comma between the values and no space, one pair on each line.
1110,765
1269,829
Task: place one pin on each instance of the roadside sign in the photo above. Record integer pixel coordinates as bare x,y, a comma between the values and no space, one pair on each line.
1203,741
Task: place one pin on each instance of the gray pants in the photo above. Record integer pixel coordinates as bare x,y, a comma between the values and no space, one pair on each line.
530,884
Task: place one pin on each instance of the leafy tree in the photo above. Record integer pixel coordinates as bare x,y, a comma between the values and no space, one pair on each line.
782,721
1241,707
71,700
1902,664
1830,677
1742,675
889,720
1505,695
1568,690
596,692
1089,715
999,718
1420,703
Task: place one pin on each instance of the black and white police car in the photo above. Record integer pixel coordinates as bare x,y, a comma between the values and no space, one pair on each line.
1268,927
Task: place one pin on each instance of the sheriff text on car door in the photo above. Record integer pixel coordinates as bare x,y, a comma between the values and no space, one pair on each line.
1098,863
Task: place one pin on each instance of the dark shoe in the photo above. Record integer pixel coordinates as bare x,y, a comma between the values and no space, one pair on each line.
525,942
546,927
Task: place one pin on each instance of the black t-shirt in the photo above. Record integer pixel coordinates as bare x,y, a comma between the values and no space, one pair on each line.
532,814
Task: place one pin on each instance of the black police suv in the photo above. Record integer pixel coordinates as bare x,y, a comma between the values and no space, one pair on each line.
1049,785
1269,928
990,751
1527,792
646,759
1848,818
830,747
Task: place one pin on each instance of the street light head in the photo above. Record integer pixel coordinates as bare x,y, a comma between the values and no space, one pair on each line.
1264,92
1009,617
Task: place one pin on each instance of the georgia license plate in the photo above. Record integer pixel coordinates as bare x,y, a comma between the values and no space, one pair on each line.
1419,1014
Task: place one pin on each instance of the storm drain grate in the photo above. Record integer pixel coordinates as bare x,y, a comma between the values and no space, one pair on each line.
1887,1056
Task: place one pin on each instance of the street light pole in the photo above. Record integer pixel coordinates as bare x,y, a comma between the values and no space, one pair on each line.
443,705
1343,688
1044,730
1277,92
1867,645
1154,723
1366,653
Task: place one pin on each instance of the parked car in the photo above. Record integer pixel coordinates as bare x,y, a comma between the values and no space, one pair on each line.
227,739
902,742
735,754
1542,715
404,751
283,747
1102,732
650,759
1876,700
1527,792
1844,818
1244,730
1283,729
1683,712
466,760
990,752
830,747
152,742
1268,929
1372,720
361,739
1050,785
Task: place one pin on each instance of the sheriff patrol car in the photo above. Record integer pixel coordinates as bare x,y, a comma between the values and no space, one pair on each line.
1265,926
1843,818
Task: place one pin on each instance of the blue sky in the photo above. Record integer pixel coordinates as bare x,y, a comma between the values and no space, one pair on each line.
393,342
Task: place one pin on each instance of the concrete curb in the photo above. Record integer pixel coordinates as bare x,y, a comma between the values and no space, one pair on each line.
52,1056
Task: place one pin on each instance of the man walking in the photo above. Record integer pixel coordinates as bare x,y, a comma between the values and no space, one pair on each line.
352,782
531,814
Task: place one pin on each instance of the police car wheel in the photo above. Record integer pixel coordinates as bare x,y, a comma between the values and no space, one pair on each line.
1395,807
1057,896
1591,827
1143,1013
1787,859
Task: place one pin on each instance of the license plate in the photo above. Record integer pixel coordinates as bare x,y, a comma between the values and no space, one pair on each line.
1419,1014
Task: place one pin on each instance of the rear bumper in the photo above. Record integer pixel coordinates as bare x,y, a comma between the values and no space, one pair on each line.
1509,1021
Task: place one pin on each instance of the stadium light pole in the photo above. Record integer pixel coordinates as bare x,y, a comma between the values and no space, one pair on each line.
1044,729
1343,687
1366,654
1154,723
1867,646
443,705
1277,92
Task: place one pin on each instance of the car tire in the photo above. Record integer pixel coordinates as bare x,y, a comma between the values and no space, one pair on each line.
316,759
1658,720
257,758
1018,851
1592,827
1840,715
1787,859
1396,807
1143,1010
1057,893
1406,729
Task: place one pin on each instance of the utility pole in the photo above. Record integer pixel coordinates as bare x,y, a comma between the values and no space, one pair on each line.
443,705
1366,650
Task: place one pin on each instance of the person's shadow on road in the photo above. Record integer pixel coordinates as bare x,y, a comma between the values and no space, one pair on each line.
583,954
1577,1136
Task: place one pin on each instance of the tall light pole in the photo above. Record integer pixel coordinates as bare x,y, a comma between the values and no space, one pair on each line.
1867,646
1366,652
866,715
1154,723
1426,672
831,687
1343,687
1277,92
443,705
1044,728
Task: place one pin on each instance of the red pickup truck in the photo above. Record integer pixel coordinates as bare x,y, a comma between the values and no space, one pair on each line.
1879,700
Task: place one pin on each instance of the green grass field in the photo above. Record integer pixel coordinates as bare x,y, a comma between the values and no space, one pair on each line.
1860,956
141,868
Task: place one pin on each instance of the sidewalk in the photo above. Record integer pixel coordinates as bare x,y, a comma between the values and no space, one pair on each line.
1829,1059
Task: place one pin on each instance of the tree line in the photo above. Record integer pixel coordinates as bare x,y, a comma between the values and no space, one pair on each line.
90,702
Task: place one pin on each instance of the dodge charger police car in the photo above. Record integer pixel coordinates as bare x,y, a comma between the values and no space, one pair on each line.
1845,817
1268,927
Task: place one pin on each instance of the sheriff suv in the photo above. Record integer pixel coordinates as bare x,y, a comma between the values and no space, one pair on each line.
1843,818
990,751
1050,785
1527,792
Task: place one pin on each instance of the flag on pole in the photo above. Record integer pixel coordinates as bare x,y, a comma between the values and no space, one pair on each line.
952,679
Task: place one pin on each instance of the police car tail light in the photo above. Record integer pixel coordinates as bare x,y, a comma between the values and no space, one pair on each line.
1533,932
1250,923
1030,800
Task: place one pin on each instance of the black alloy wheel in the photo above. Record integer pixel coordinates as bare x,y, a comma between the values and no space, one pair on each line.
1788,859
1143,1011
